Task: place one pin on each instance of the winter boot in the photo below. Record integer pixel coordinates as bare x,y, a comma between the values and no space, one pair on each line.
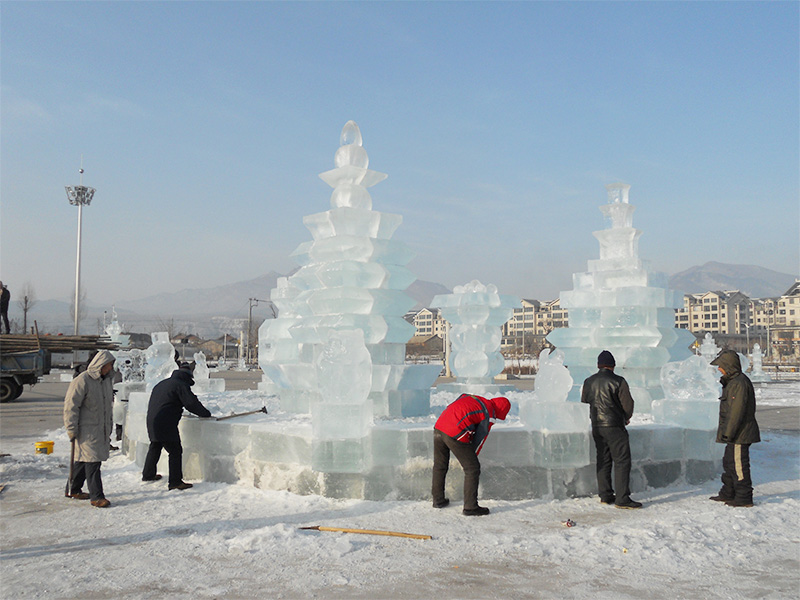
476,512
102,503
441,504
739,503
629,504
181,486
79,496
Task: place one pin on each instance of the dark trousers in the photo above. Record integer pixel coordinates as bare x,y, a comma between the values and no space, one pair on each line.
175,451
5,322
465,453
90,473
613,447
736,482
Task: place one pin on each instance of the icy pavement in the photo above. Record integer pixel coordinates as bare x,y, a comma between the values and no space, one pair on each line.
233,541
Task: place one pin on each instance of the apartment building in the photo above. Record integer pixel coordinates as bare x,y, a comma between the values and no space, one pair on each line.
427,322
726,312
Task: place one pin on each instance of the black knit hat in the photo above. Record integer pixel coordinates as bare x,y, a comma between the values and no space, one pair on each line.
606,359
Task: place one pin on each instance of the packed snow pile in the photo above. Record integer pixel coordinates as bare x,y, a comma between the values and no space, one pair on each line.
235,541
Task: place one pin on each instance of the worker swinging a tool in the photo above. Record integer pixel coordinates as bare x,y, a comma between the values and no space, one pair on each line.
164,412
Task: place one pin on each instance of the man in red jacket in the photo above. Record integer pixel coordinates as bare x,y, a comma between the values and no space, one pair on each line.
462,428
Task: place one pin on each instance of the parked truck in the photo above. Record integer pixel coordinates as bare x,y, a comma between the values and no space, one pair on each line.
20,368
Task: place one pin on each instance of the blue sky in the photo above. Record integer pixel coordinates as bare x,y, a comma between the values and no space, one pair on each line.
203,127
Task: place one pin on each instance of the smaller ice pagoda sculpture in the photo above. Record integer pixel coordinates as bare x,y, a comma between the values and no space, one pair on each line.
621,305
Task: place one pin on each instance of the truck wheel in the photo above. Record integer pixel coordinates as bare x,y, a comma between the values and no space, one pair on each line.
9,389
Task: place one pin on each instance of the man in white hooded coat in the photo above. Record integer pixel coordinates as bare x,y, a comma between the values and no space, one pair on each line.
88,420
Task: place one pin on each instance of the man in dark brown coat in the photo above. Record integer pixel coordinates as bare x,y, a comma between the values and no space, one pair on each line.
737,430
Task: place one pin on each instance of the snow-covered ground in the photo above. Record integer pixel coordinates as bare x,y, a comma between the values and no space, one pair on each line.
234,541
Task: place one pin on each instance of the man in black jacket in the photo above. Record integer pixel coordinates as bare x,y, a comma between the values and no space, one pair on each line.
737,430
5,298
611,408
167,401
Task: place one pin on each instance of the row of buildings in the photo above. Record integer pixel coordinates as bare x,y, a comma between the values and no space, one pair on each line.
735,321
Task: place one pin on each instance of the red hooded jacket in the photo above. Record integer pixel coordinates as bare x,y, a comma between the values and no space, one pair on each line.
467,418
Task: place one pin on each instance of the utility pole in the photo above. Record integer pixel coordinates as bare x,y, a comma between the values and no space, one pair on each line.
250,302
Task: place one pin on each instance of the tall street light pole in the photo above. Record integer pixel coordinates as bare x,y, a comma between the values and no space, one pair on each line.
79,195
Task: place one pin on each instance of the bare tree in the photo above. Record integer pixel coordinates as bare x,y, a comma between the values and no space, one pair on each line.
26,302
167,325
82,306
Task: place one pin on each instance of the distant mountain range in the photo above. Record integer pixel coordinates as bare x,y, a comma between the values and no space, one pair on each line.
209,312
752,281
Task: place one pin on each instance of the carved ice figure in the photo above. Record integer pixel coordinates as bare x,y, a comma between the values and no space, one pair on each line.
344,368
476,313
160,359
553,381
709,349
691,394
131,365
758,374
202,380
114,331
341,420
200,367
549,409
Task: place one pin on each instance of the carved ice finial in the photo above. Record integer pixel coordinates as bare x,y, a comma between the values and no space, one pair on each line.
351,134
618,193
351,152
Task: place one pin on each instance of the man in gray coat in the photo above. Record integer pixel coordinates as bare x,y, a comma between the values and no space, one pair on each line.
88,420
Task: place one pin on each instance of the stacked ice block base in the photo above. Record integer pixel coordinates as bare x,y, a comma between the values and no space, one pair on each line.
518,462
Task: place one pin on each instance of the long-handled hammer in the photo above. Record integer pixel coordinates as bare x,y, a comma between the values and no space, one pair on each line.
415,536
263,409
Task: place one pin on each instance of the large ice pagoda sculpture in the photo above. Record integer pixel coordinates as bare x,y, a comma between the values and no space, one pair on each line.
352,277
621,305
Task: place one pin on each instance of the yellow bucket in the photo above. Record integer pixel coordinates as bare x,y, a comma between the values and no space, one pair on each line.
44,447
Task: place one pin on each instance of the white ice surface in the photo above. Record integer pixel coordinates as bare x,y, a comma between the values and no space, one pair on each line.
234,541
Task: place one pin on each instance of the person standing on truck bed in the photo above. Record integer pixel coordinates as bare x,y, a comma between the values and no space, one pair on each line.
5,298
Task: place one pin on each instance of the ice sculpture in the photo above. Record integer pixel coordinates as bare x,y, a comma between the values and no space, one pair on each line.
758,374
352,276
131,365
691,394
202,379
621,305
160,360
114,331
342,418
709,349
549,410
334,356
476,314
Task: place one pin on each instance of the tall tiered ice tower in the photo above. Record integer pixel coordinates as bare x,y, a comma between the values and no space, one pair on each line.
352,277
622,306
